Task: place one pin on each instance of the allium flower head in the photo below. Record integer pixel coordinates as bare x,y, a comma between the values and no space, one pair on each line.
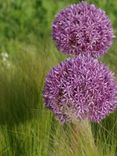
82,29
80,88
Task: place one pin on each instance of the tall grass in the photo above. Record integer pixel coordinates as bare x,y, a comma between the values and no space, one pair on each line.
27,128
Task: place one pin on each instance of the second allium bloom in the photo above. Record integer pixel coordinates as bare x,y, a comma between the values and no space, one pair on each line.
83,29
80,88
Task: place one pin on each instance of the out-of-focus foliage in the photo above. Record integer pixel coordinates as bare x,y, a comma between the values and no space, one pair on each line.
20,18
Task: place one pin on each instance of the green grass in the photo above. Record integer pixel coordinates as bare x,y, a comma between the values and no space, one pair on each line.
27,128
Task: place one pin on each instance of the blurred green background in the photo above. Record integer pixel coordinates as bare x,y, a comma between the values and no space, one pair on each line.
27,53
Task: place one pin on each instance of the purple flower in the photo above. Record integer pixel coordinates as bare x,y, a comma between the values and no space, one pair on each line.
80,88
83,29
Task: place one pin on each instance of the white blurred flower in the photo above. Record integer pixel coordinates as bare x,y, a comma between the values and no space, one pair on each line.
4,56
5,59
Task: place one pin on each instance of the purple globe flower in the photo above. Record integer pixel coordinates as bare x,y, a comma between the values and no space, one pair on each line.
82,29
80,88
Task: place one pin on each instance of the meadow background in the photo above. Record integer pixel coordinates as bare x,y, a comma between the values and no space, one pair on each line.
27,53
